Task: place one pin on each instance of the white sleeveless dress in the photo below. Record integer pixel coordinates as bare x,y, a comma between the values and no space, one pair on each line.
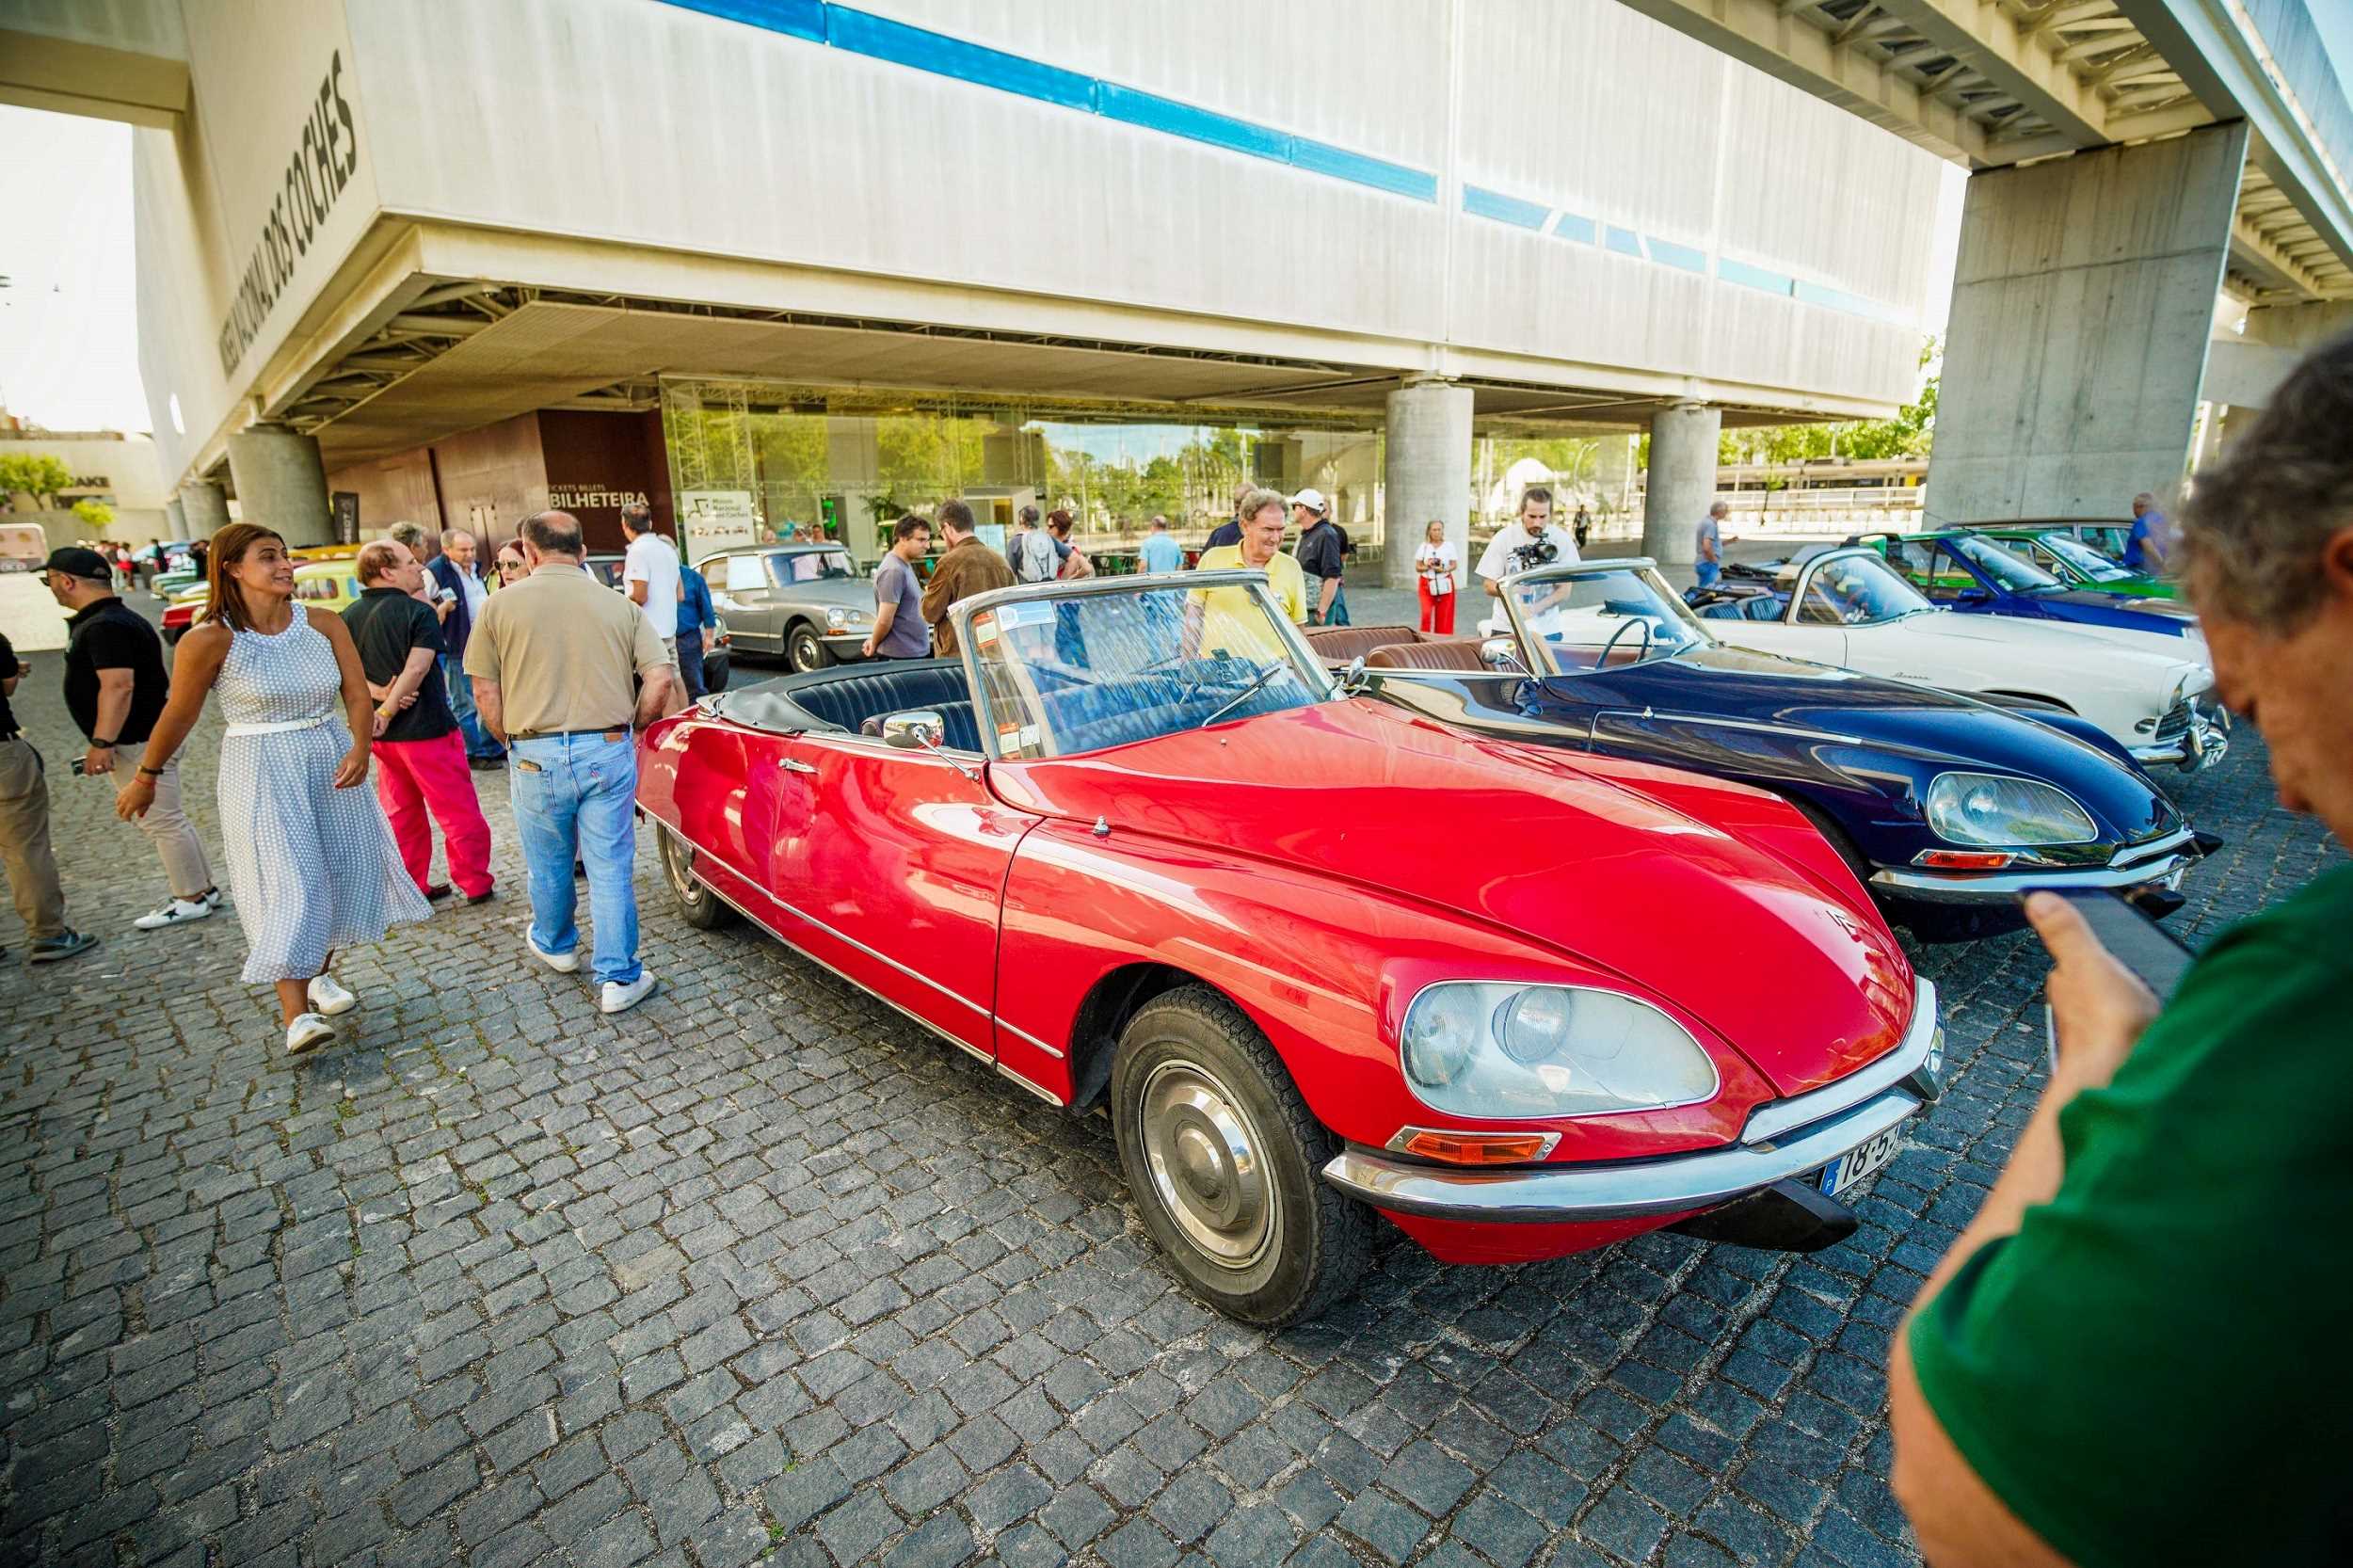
312,868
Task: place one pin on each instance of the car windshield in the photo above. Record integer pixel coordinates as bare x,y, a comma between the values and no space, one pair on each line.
810,565
1858,590
2076,553
1079,671
2012,572
1578,618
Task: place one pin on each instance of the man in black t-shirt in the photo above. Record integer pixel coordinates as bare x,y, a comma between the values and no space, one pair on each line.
25,833
1322,556
421,762
115,688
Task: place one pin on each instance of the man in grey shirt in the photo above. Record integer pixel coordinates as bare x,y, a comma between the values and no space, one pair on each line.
1707,545
900,630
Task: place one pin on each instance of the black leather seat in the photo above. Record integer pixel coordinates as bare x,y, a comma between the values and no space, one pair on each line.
844,700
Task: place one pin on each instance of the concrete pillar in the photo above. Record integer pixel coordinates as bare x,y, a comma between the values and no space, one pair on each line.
281,484
1425,473
1681,480
2076,347
175,519
205,505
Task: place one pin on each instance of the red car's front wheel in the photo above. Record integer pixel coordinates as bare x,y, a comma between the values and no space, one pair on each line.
1223,1156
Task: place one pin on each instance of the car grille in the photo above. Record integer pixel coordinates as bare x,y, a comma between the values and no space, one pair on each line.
2175,723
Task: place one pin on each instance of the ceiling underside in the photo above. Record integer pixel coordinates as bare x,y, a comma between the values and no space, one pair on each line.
480,356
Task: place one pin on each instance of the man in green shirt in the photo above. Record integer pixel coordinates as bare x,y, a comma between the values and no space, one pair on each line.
2136,1352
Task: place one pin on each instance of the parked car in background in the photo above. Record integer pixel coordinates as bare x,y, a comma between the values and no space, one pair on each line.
1944,806
325,586
2056,550
1079,853
804,603
1969,572
1845,606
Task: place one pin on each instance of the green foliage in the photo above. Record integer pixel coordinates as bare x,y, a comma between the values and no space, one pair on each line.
95,515
36,474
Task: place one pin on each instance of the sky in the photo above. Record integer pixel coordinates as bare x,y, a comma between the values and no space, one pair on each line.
69,318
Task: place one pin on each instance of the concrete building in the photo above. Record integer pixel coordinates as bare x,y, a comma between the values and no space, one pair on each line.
2159,216
852,258
121,471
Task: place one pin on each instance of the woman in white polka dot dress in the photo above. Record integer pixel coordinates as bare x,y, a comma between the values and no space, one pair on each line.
312,862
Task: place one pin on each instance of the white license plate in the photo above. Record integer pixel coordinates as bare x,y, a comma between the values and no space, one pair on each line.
1856,1163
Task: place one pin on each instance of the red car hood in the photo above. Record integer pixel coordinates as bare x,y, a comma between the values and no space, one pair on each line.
1664,880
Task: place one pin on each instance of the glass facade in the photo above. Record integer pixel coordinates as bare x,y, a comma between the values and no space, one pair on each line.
752,461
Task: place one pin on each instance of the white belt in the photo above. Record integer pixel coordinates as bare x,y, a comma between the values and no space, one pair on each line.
278,728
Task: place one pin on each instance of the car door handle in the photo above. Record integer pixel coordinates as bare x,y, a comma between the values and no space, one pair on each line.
793,764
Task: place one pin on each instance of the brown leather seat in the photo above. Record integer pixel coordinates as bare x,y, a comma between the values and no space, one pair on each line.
1338,645
1439,654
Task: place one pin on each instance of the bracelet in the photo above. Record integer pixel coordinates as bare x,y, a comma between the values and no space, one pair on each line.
146,772
97,744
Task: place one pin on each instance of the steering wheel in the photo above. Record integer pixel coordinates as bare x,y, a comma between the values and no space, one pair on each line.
1601,660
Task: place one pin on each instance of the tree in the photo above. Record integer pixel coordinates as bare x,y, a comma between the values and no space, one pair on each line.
36,474
96,516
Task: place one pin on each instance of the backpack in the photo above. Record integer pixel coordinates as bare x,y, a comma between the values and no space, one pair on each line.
1033,556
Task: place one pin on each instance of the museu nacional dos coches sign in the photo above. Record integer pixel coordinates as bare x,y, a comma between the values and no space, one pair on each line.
322,161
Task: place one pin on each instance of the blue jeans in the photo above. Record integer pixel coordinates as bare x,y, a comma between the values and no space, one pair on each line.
689,662
1706,572
575,799
460,684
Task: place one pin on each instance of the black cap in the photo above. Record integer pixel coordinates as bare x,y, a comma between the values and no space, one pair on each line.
76,561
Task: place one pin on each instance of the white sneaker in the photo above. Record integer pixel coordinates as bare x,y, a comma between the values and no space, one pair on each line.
618,998
177,911
330,998
308,1032
562,963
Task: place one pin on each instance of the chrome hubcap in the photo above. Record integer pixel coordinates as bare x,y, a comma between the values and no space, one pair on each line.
677,858
1205,1164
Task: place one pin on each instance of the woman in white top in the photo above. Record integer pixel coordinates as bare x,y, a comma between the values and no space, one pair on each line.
1436,564
312,862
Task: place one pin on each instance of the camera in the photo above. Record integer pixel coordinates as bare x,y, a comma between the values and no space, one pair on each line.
1540,551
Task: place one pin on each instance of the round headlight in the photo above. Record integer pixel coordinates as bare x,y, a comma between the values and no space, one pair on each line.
836,618
1499,1050
1988,809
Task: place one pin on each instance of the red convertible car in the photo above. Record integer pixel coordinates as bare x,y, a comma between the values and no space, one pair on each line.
1319,959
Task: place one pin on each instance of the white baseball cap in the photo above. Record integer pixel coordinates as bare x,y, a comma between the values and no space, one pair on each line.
1311,498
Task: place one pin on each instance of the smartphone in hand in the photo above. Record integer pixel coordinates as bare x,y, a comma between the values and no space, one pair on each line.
2154,954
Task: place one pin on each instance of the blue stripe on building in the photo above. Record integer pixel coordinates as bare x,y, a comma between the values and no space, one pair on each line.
879,38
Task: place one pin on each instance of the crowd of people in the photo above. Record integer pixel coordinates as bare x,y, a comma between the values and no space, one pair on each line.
428,674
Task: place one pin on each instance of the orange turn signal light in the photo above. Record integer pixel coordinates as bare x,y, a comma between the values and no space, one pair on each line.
1474,1148
1964,860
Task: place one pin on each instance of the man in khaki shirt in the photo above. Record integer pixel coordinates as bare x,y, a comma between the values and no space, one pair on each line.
550,660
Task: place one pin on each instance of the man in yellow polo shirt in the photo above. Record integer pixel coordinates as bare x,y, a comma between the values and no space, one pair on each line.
1223,620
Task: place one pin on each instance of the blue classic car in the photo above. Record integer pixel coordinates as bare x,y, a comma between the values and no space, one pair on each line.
1945,806
1967,572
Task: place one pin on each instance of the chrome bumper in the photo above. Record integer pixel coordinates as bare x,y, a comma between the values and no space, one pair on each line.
2205,742
2134,866
1783,1139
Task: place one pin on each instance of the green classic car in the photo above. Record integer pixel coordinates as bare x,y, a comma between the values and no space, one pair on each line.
2062,550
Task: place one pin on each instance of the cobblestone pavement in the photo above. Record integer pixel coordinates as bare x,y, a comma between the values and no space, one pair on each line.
758,1270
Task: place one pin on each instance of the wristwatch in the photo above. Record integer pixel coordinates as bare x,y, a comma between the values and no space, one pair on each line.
97,744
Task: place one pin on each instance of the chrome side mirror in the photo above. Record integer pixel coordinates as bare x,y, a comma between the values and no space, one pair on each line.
1500,653
917,729
1354,679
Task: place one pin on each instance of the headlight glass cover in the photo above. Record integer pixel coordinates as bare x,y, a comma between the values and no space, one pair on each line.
1479,1048
1987,808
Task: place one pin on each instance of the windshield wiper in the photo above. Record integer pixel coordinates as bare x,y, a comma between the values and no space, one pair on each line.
1235,701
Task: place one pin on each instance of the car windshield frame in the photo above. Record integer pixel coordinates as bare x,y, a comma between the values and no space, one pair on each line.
1871,559
1642,568
2012,572
777,559
2095,567
974,616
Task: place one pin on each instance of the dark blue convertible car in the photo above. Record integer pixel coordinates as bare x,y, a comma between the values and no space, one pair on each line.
1944,806
1975,575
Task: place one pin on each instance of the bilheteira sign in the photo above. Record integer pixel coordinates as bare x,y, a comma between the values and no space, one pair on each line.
324,159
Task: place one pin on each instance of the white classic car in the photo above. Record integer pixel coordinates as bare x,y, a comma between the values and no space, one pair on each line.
2154,695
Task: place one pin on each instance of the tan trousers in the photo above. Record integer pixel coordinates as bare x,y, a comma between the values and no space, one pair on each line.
169,829
25,840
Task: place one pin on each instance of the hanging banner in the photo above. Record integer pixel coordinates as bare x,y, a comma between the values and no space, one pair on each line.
713,520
